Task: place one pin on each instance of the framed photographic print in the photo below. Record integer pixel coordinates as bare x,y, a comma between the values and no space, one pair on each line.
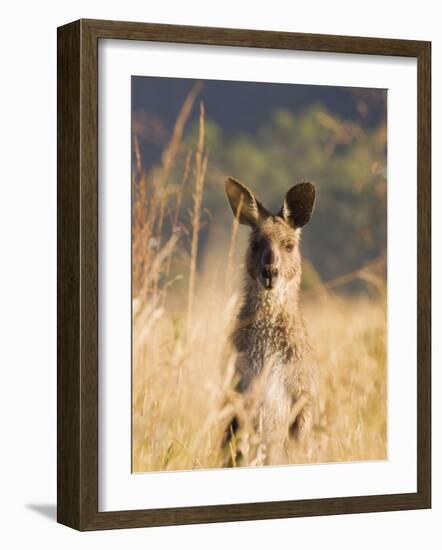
243,275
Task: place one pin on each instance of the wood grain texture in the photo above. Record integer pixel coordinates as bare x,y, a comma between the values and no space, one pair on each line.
68,276
253,38
424,274
77,226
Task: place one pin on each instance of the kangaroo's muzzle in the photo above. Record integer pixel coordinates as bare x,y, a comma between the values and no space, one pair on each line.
269,276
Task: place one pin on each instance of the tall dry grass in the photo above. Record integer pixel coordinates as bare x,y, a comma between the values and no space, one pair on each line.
183,366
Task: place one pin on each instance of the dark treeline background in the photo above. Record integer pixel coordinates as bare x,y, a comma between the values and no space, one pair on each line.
271,136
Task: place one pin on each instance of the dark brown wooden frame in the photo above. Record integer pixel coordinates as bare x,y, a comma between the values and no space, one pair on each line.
77,225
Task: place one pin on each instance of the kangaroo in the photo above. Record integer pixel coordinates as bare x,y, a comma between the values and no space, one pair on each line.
269,337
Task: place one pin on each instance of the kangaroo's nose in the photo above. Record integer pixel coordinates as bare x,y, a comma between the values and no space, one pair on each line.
269,271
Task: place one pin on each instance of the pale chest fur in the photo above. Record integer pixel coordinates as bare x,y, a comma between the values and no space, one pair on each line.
269,333
267,348
267,340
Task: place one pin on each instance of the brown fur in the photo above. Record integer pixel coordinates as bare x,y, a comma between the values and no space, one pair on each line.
270,336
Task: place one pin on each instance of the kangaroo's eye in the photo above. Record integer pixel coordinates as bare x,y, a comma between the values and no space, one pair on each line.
289,247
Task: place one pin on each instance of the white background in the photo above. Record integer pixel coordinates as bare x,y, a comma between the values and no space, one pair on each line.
28,277
118,488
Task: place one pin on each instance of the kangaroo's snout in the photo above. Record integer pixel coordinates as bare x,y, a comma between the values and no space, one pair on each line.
269,275
269,271
269,267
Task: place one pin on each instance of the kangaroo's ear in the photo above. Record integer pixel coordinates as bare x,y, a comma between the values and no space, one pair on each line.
244,204
298,204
